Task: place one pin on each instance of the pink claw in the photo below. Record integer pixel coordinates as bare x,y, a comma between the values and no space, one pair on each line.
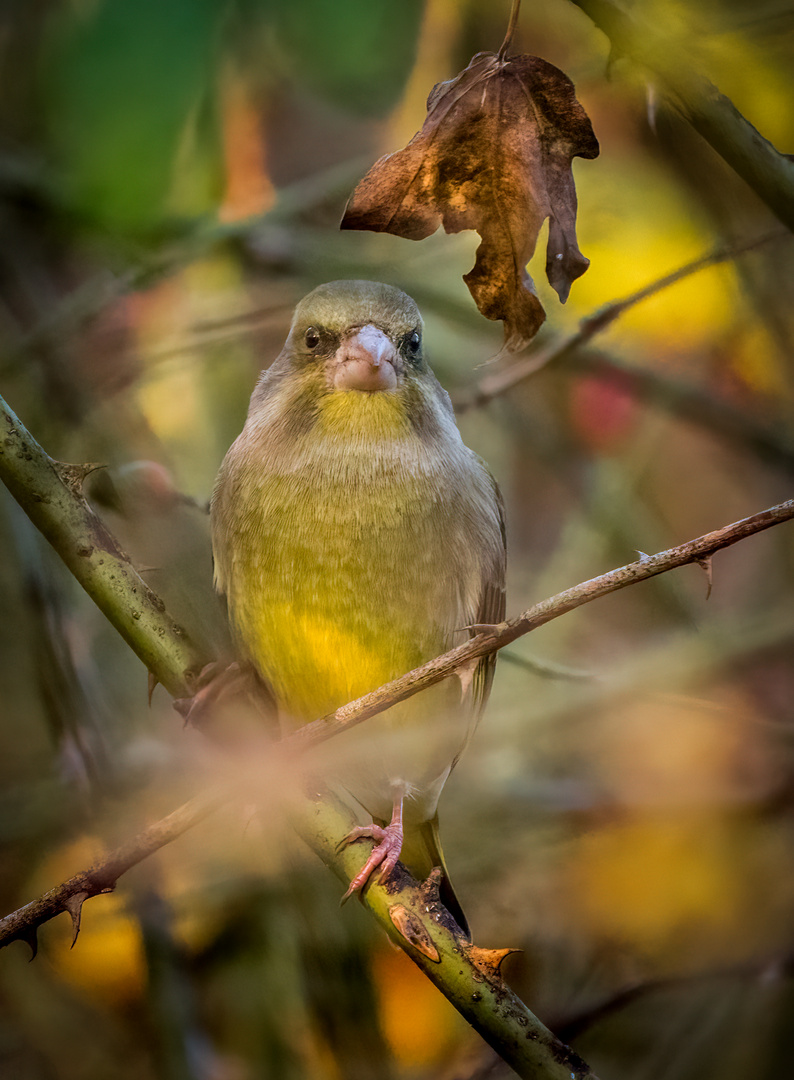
385,853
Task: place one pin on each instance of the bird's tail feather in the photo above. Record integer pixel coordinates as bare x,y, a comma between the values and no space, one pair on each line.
420,853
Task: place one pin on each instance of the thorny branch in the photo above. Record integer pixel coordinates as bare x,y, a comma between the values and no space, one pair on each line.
492,638
489,640
499,382
410,913
103,876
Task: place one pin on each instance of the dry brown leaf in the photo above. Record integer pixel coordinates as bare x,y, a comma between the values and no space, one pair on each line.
494,155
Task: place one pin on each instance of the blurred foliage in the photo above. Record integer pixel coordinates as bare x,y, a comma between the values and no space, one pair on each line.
356,55
624,814
126,86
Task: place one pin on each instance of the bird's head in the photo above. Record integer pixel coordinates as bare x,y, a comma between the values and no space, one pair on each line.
360,335
354,357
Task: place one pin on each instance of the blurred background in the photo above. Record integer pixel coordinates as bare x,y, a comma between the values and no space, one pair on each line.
172,176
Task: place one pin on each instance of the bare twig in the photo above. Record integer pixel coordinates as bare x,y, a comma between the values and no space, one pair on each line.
499,382
492,639
102,877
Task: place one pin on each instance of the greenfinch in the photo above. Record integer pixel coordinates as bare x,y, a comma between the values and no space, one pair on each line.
355,536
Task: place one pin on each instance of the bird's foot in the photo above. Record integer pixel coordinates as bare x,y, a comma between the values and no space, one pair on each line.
213,682
218,684
384,855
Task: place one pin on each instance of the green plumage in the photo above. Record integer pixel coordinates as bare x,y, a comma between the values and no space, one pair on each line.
354,536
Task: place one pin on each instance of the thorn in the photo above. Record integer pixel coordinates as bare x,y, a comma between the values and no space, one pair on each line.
481,627
706,565
31,939
643,555
414,932
183,705
431,886
488,961
153,682
74,475
74,905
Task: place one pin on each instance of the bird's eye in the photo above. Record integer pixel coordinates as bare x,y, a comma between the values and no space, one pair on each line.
312,337
414,343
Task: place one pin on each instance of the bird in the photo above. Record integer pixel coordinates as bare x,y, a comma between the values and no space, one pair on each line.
355,536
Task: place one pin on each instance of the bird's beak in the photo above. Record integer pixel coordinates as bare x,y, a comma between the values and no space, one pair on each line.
365,360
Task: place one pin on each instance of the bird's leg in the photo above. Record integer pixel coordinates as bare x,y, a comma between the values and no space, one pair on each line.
386,851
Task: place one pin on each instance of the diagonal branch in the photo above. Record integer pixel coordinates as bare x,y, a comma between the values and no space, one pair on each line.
50,493
491,639
769,173
499,382
23,924
410,913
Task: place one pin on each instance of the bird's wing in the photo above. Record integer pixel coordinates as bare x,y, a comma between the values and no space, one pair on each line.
490,610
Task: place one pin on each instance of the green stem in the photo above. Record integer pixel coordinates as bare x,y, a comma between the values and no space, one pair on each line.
50,493
467,976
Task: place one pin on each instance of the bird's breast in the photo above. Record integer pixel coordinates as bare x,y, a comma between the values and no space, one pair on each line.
347,563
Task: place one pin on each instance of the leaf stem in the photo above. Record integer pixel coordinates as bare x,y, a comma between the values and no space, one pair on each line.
511,29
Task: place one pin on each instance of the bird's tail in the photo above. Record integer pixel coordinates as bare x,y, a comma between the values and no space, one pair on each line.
421,851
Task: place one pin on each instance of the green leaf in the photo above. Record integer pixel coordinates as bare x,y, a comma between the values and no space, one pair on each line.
357,54
125,88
